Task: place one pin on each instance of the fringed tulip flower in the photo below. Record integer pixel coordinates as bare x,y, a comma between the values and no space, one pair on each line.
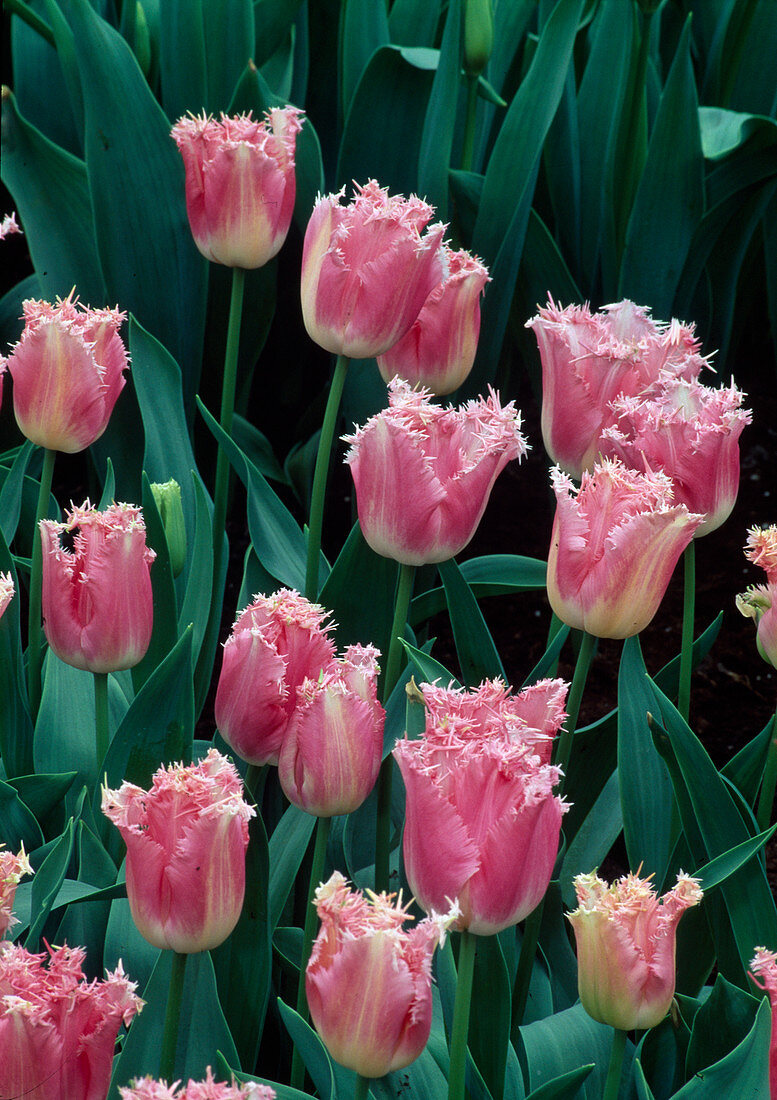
482,823
367,269
277,643
423,474
12,867
97,598
58,1031
589,359
331,752
439,349
368,981
68,371
147,1088
760,601
614,546
9,226
186,842
240,183
6,591
626,947
764,974
689,431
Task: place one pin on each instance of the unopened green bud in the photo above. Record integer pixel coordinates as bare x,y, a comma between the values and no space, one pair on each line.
478,35
142,40
167,497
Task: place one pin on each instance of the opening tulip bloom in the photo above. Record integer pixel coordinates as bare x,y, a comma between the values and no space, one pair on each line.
760,601
589,359
689,431
97,599
482,823
368,981
331,752
614,546
147,1088
626,947
12,868
6,591
423,474
438,351
367,269
764,974
186,842
240,183
58,1031
277,643
68,371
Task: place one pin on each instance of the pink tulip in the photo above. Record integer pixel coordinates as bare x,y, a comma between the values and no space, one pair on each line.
9,226
589,359
240,183
58,1031
367,270
147,1088
6,591
97,599
614,546
68,371
423,474
368,981
186,842
764,975
331,752
12,868
626,947
482,824
689,431
276,643
438,351
759,602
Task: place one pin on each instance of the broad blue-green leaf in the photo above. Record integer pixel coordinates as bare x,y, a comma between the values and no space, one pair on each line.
42,793
722,1023
564,1087
283,1092
547,661
475,647
182,65
15,721
723,131
164,632
670,197
195,607
434,160
567,1041
430,671
593,839
203,1033
720,868
412,23
11,494
288,845
745,770
230,37
491,575
51,192
46,884
33,55
359,569
17,822
136,181
274,19
645,787
312,1051
384,125
363,30
489,1032
743,1072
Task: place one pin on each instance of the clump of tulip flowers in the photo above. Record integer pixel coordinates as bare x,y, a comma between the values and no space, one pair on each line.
482,823
58,1031
614,546
451,457
368,980
626,939
367,269
186,841
240,183
68,371
97,599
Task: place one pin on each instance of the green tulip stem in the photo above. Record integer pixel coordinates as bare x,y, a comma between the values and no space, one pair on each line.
769,782
228,384
35,656
383,822
460,1028
564,747
31,18
469,124
321,475
101,715
311,920
361,1088
616,1064
531,934
686,651
172,1018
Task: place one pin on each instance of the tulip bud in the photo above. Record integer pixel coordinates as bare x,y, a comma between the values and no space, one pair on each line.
167,497
186,842
478,35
